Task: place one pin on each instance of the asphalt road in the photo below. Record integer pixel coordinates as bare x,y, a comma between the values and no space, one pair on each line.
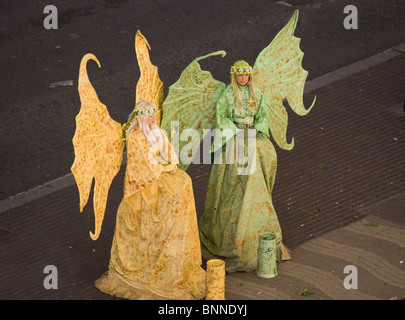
38,115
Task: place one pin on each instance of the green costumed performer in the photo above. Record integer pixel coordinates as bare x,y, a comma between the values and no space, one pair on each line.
238,205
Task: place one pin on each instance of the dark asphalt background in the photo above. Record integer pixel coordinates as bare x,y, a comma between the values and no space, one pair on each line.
38,121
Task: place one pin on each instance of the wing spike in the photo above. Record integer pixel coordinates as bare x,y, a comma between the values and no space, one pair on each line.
149,86
98,147
279,74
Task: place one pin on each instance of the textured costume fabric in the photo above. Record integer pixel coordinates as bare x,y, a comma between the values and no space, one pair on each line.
155,252
239,208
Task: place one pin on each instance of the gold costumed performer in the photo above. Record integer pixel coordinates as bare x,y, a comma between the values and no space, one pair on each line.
156,251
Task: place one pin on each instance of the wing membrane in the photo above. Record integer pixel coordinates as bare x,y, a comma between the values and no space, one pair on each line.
98,147
278,72
192,102
149,87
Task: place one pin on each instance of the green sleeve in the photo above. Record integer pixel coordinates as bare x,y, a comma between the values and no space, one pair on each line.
224,120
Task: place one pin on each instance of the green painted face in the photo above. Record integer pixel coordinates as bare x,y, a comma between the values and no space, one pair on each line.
242,79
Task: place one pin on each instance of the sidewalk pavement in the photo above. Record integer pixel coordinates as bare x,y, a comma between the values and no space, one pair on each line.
339,195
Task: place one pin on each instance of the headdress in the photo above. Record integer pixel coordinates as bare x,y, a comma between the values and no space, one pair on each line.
137,113
241,67
143,112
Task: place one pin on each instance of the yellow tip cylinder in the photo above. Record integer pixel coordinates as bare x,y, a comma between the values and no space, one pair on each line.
215,280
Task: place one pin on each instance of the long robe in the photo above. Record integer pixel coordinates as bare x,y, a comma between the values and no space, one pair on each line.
156,251
239,207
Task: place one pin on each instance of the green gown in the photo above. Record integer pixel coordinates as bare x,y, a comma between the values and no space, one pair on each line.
239,207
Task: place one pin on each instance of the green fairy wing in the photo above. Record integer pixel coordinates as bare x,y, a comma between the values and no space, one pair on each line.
278,73
191,104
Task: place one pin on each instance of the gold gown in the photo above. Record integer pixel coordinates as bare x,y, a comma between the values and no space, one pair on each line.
155,252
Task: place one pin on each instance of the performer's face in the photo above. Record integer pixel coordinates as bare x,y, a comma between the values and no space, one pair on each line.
151,120
242,79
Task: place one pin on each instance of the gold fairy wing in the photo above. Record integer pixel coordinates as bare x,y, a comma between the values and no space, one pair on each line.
98,147
278,73
149,87
191,102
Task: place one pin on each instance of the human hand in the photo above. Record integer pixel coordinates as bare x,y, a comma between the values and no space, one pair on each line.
170,168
